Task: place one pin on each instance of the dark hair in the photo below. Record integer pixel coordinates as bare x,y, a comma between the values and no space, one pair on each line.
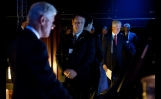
105,27
78,14
89,19
23,20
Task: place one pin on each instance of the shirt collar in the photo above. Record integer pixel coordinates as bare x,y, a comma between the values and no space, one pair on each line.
77,34
34,31
22,27
113,35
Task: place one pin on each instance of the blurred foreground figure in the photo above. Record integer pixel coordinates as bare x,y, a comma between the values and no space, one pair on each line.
33,78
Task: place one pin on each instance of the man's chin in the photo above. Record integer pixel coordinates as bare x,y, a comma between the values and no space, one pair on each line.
45,36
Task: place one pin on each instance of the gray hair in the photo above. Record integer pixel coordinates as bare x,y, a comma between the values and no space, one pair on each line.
105,27
116,22
127,25
39,9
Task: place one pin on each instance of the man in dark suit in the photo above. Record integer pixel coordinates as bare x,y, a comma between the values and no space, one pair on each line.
103,83
94,70
74,59
113,44
33,78
22,26
104,32
131,37
131,40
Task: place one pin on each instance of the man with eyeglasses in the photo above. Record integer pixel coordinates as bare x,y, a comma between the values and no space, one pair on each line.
33,78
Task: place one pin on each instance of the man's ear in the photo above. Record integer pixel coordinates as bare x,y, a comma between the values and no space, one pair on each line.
89,25
42,20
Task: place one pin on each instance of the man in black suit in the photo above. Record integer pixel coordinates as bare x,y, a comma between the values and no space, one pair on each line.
113,44
131,37
74,59
104,32
131,40
22,26
33,78
94,70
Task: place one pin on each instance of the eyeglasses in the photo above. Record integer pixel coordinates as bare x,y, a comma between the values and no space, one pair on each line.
53,25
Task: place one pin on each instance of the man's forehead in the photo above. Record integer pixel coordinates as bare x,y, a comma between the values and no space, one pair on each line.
79,17
117,25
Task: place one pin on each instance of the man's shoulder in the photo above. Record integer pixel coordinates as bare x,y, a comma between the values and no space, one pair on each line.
121,33
133,33
86,33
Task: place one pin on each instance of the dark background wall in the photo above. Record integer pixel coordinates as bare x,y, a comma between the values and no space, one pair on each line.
136,12
139,13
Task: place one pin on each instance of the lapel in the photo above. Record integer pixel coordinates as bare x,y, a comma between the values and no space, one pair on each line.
130,36
110,42
67,41
81,37
118,40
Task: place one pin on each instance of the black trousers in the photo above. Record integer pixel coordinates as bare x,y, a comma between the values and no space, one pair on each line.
78,90
94,87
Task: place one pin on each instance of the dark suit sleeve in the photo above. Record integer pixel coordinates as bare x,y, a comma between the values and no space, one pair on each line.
104,48
135,40
44,75
99,51
129,49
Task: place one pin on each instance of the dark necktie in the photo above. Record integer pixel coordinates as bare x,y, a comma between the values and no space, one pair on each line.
74,39
115,40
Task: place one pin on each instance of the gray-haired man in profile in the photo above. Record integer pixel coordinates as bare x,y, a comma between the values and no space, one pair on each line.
33,78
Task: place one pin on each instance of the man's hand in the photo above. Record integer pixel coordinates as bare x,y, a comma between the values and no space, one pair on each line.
108,71
70,73
67,72
105,67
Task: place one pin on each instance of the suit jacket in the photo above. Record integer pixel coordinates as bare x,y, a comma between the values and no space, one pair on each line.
19,30
98,56
102,36
114,55
33,78
80,59
132,40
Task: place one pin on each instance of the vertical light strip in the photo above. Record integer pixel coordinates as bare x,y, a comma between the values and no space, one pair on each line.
9,73
54,58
